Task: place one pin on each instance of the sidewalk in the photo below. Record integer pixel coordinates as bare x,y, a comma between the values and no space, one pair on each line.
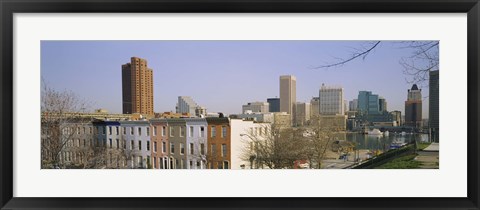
432,148
429,157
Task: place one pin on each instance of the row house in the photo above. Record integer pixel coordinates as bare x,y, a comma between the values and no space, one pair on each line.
177,143
137,145
66,143
187,143
219,130
196,143
109,147
159,139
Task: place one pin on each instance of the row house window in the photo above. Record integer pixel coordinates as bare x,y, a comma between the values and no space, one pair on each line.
109,130
139,131
154,130
131,131
124,144
132,145
202,131
214,132
191,148
116,130
164,147
164,130
172,148
110,143
214,149
118,143
139,145
154,146
171,131
148,131
182,148
190,133
224,131
182,131
224,150
148,145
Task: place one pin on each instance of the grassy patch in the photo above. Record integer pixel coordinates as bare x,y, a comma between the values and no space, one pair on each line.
422,146
405,162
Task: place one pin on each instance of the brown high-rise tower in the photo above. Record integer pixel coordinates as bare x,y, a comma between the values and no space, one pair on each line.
137,87
413,107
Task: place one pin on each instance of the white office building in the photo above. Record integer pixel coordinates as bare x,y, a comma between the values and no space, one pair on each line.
331,100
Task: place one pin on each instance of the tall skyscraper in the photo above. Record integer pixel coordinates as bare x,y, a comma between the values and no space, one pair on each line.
274,104
433,110
331,100
288,95
137,87
413,107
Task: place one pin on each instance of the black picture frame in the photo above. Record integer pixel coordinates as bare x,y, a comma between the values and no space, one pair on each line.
10,7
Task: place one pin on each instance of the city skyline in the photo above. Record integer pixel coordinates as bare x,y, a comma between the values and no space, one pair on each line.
223,75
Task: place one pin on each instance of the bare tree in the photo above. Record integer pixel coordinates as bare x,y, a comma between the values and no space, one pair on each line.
58,123
319,137
273,147
424,58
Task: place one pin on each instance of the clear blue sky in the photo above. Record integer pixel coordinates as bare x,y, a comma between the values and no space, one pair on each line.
223,75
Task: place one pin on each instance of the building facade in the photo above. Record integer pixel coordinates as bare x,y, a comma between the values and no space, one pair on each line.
413,107
256,117
331,100
196,156
273,104
186,104
314,107
113,143
137,87
137,144
219,143
256,107
368,103
288,94
160,144
382,105
352,105
177,139
303,113
397,117
243,134
433,110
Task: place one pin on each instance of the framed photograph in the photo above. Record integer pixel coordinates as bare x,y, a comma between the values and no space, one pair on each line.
239,105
